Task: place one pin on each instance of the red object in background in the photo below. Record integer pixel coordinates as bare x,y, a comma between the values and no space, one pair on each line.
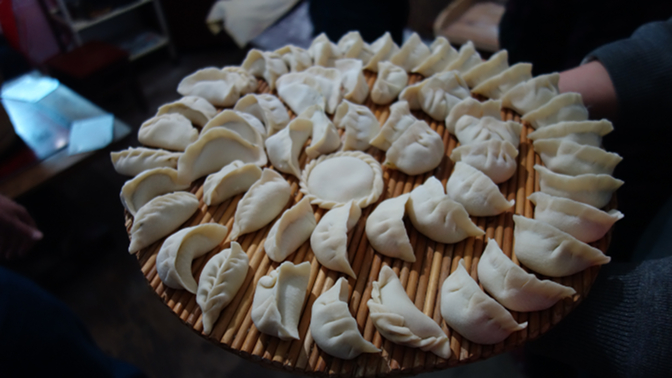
8,24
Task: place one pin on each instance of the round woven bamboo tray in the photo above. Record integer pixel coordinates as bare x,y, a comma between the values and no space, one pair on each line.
234,330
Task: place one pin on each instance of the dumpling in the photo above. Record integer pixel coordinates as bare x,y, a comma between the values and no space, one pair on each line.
285,146
198,110
221,278
398,320
300,91
329,240
279,298
473,314
474,108
215,149
332,326
149,184
399,120
351,45
466,59
383,49
532,94
325,138
436,95
389,83
476,192
359,123
563,107
570,158
386,231
584,222
173,262
266,108
355,88
219,87
323,51
296,58
582,132
235,178
495,158
549,251
133,161
290,231
595,190
471,129
481,72
169,131
261,204
266,65
442,54
513,287
336,179
437,216
494,87
330,81
160,217
244,81
418,150
245,125
411,54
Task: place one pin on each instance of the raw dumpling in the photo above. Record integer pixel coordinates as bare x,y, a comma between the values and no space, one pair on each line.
383,49
389,83
399,120
198,110
386,231
285,146
485,70
476,192
532,94
325,138
261,204
466,59
330,82
549,251
470,312
133,161
418,150
332,326
149,184
442,54
495,158
582,132
323,51
290,231
474,108
171,131
436,95
471,129
595,190
437,216
355,88
160,217
329,241
563,107
219,87
266,108
220,280
266,65
296,58
398,320
412,53
336,179
300,91
359,123
244,81
278,300
173,262
351,45
495,87
215,149
584,222
570,158
513,287
235,178
245,125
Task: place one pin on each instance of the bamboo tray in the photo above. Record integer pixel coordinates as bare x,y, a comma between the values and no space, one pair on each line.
234,330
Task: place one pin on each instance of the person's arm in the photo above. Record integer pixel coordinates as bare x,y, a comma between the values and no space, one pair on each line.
593,82
18,232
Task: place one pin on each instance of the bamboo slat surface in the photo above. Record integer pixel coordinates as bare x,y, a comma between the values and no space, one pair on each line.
234,330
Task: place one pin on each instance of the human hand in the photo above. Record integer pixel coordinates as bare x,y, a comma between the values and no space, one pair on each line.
18,232
593,82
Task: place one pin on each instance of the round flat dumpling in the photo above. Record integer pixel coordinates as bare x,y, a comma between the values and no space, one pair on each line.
336,179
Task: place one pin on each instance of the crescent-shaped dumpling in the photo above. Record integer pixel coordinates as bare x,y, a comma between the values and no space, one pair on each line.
411,54
399,120
360,125
133,161
570,158
325,138
479,195
386,231
329,240
355,88
418,150
383,48
471,129
290,231
592,189
474,108
235,178
198,110
467,58
496,86
285,146
266,65
442,54
483,71
266,108
582,132
561,108
532,94
149,184
171,131
495,158
245,125
391,80
296,58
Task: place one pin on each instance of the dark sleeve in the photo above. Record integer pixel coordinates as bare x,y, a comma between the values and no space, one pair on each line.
641,69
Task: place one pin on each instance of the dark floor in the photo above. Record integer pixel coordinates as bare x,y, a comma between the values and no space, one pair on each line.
83,260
